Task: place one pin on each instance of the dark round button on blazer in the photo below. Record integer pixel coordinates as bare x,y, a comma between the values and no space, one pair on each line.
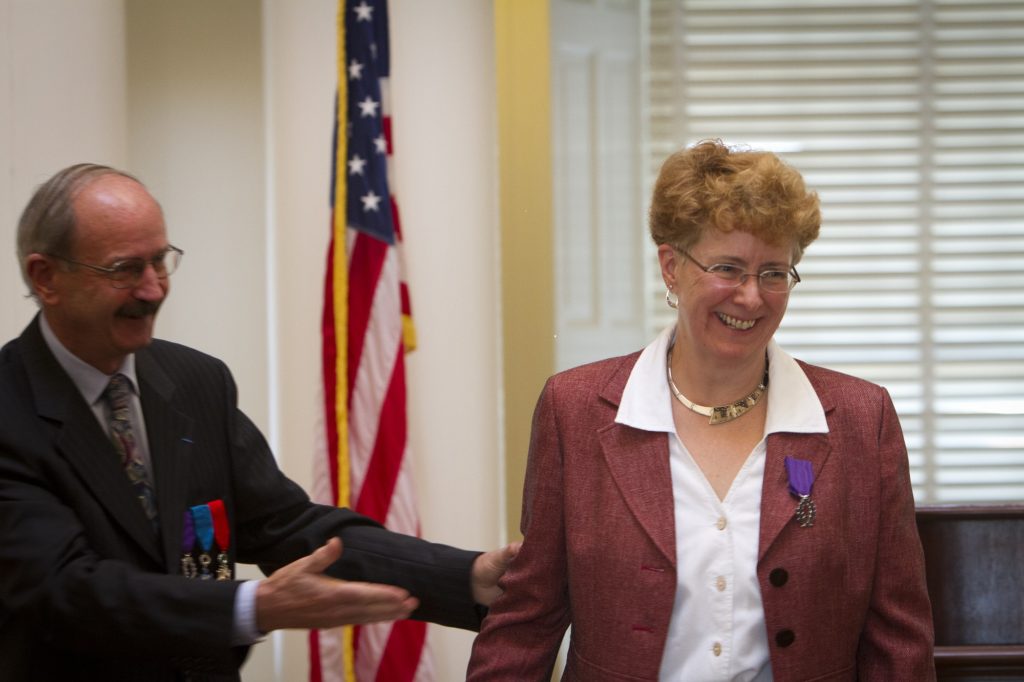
785,637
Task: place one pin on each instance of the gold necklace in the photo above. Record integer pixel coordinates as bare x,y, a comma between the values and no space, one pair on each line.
722,413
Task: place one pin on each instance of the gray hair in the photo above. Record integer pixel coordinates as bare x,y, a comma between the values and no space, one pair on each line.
47,224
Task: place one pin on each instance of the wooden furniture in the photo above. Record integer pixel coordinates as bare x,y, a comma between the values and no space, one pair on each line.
974,558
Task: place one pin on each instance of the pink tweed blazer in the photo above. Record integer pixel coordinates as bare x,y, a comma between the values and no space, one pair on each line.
843,600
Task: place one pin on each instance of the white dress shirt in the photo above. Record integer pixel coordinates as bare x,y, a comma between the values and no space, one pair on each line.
717,630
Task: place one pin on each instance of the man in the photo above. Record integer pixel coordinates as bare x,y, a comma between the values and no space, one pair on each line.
129,479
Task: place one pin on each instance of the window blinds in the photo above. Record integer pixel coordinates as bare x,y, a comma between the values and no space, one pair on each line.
908,118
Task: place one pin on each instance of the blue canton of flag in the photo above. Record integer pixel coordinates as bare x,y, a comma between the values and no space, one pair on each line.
367,61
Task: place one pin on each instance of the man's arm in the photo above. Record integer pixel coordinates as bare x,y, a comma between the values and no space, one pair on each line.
301,596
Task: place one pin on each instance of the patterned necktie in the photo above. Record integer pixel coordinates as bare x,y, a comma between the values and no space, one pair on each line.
117,396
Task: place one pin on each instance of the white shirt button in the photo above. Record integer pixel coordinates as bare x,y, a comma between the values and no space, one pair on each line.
720,583
721,523
717,649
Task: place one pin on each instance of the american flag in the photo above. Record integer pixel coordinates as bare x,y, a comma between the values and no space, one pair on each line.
366,331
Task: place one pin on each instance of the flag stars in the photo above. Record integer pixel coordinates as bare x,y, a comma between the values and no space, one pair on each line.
363,12
356,165
368,107
371,202
380,144
355,70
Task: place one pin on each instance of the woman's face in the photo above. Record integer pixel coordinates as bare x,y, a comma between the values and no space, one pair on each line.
719,322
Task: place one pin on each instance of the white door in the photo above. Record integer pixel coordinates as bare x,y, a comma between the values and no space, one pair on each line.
598,204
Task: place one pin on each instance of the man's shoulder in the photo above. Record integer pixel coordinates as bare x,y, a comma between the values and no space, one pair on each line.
12,368
17,354
162,348
9,353
178,359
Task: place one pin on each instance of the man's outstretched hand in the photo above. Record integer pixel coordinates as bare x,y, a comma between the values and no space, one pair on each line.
299,595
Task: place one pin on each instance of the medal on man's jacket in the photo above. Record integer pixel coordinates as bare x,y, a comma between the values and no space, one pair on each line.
203,520
222,533
801,479
188,543
204,524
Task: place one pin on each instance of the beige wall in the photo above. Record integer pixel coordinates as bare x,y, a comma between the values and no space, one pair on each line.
196,138
224,110
62,100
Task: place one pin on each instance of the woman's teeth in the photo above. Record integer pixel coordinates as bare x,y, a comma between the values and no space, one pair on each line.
736,324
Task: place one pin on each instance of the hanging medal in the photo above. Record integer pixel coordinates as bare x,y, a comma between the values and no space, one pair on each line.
188,543
801,479
204,533
222,533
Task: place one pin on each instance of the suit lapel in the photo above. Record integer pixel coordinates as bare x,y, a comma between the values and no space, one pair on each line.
82,442
638,462
778,505
169,434
88,450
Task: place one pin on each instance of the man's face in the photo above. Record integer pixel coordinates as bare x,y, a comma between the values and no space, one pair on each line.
116,219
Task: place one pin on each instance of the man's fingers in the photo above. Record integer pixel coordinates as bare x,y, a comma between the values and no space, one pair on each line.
324,556
316,562
510,552
498,560
299,595
369,603
487,571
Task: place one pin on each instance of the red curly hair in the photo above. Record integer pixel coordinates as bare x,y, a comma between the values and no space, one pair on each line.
711,186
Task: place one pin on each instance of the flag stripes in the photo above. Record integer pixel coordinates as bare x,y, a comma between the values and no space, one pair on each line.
366,331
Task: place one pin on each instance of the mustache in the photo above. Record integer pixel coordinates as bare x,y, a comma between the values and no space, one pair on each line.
138,309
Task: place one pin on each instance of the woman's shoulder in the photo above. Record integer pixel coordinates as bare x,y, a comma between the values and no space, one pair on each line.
599,368
607,377
828,381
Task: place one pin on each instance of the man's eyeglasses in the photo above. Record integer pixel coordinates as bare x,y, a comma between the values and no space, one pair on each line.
771,281
126,274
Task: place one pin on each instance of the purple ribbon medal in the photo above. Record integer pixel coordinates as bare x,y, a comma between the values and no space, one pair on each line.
801,478
188,541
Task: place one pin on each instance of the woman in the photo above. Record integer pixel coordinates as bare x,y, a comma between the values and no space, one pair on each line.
711,508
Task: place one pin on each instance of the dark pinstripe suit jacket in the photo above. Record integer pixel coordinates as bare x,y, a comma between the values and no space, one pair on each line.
87,591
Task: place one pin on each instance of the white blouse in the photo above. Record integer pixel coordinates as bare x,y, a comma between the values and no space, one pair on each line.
717,629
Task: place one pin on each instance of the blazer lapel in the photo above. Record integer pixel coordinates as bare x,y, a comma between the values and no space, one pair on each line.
638,462
778,505
82,442
170,438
